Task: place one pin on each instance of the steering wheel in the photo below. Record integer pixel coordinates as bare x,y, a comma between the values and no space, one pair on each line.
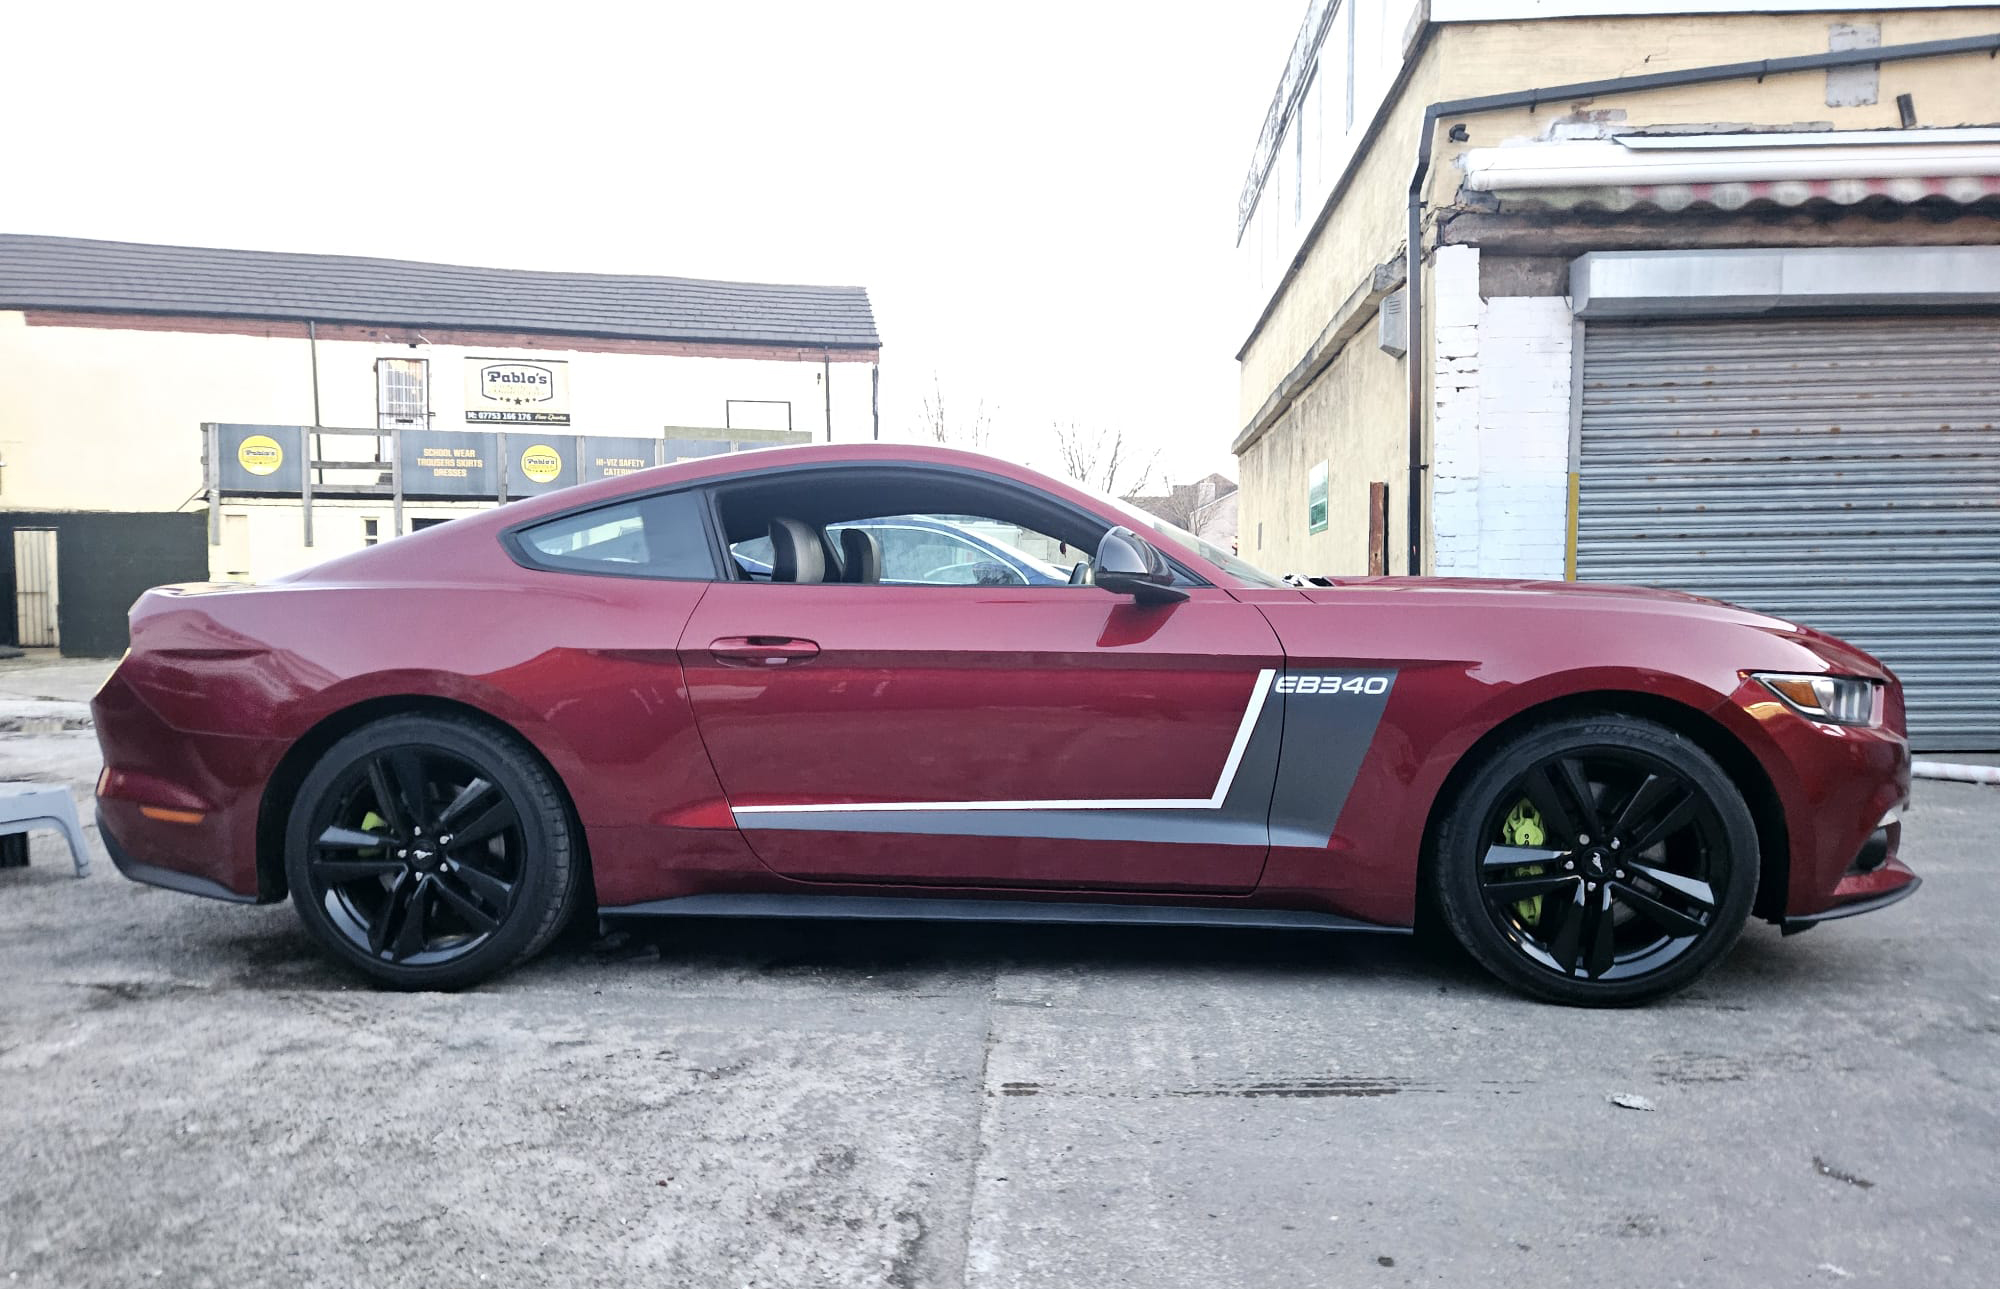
1083,574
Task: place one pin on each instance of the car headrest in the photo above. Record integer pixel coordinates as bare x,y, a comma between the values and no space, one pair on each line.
797,555
860,556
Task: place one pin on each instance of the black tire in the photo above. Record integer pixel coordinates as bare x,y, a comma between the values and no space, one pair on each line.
1642,872
409,912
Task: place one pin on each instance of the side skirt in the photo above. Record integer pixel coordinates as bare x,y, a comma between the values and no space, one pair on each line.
899,908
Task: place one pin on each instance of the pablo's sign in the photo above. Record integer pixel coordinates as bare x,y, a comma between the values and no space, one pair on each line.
508,391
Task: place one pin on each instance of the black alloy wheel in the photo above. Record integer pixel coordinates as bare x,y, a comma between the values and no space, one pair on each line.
430,852
1606,862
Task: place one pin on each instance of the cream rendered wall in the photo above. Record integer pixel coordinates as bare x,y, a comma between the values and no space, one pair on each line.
1366,227
609,393
111,420
1332,421
99,419
273,541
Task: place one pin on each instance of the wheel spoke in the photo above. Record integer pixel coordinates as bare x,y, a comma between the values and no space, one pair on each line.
1557,821
412,931
1527,888
1695,889
482,884
383,927
1569,934
491,821
1669,920
1663,825
336,871
337,838
405,769
467,797
1599,951
387,802
1645,799
1515,856
1582,801
467,907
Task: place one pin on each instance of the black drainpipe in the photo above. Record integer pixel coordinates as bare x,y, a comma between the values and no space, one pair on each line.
1759,68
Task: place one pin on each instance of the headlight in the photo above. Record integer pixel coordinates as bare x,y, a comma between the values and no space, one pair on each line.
1841,700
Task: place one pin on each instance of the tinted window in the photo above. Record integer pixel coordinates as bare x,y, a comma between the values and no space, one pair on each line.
647,537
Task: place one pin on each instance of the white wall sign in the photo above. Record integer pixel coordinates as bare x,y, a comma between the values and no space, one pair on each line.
513,391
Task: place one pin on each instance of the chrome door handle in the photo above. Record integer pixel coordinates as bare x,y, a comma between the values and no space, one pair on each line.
762,651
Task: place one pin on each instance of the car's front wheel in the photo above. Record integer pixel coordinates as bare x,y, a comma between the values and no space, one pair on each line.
1601,862
431,852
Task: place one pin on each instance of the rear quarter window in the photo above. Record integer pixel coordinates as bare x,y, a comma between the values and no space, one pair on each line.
661,536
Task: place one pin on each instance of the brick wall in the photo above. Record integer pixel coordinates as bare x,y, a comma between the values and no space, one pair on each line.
1500,427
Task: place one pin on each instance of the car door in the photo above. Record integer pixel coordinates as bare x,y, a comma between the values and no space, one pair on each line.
990,736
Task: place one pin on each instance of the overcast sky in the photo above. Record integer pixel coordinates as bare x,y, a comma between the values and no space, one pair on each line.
1040,197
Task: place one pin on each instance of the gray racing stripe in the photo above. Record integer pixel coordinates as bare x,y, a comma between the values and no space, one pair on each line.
1326,739
1295,776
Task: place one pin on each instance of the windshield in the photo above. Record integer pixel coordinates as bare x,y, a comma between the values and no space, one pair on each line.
1234,565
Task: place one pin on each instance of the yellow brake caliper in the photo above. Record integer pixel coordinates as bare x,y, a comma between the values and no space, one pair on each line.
1524,828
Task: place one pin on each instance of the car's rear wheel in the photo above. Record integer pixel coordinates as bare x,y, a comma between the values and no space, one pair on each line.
1602,862
431,852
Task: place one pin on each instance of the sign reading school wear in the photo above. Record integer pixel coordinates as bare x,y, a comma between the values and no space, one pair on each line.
516,391
446,463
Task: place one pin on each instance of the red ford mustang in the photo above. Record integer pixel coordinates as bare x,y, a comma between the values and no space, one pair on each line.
738,687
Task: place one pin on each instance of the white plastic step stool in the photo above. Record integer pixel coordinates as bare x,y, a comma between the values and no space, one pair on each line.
25,807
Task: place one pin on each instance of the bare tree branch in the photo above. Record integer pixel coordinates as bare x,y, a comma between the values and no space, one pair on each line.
935,425
1103,459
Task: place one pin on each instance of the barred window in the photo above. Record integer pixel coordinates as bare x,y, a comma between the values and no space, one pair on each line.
402,393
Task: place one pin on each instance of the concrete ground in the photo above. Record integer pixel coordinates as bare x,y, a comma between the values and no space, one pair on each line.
190,1095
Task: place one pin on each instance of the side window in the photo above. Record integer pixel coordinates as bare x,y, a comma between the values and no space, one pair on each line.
940,557
646,537
934,550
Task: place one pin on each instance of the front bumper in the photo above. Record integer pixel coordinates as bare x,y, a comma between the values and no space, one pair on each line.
1866,904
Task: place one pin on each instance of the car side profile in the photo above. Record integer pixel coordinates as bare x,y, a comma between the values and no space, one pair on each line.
444,747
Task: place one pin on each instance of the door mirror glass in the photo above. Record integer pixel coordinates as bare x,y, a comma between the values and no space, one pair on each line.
1130,565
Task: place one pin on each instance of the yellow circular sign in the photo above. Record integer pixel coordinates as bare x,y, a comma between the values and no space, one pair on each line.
260,454
541,464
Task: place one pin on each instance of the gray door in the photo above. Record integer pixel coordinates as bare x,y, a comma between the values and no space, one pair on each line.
35,587
1841,472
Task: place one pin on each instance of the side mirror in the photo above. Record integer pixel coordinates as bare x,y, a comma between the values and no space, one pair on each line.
1128,564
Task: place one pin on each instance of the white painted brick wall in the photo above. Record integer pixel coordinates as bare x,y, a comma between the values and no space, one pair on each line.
1500,426
1455,401
1524,405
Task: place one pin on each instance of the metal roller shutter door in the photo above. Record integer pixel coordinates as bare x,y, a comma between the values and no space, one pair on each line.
1841,472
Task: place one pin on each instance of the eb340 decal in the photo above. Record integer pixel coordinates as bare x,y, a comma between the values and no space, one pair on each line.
1376,685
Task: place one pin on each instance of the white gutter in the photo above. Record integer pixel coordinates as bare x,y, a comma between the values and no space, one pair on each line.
1807,138
1593,163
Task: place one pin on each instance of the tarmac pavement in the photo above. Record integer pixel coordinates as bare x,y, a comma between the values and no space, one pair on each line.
190,1095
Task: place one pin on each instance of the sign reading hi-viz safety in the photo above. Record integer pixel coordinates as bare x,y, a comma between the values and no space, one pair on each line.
514,391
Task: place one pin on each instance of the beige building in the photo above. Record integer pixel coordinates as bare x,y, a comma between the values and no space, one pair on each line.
1706,295
139,384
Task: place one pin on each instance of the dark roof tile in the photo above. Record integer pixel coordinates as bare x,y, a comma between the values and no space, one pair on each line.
131,277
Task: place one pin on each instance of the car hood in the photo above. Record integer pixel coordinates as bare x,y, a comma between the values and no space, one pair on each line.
1500,594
